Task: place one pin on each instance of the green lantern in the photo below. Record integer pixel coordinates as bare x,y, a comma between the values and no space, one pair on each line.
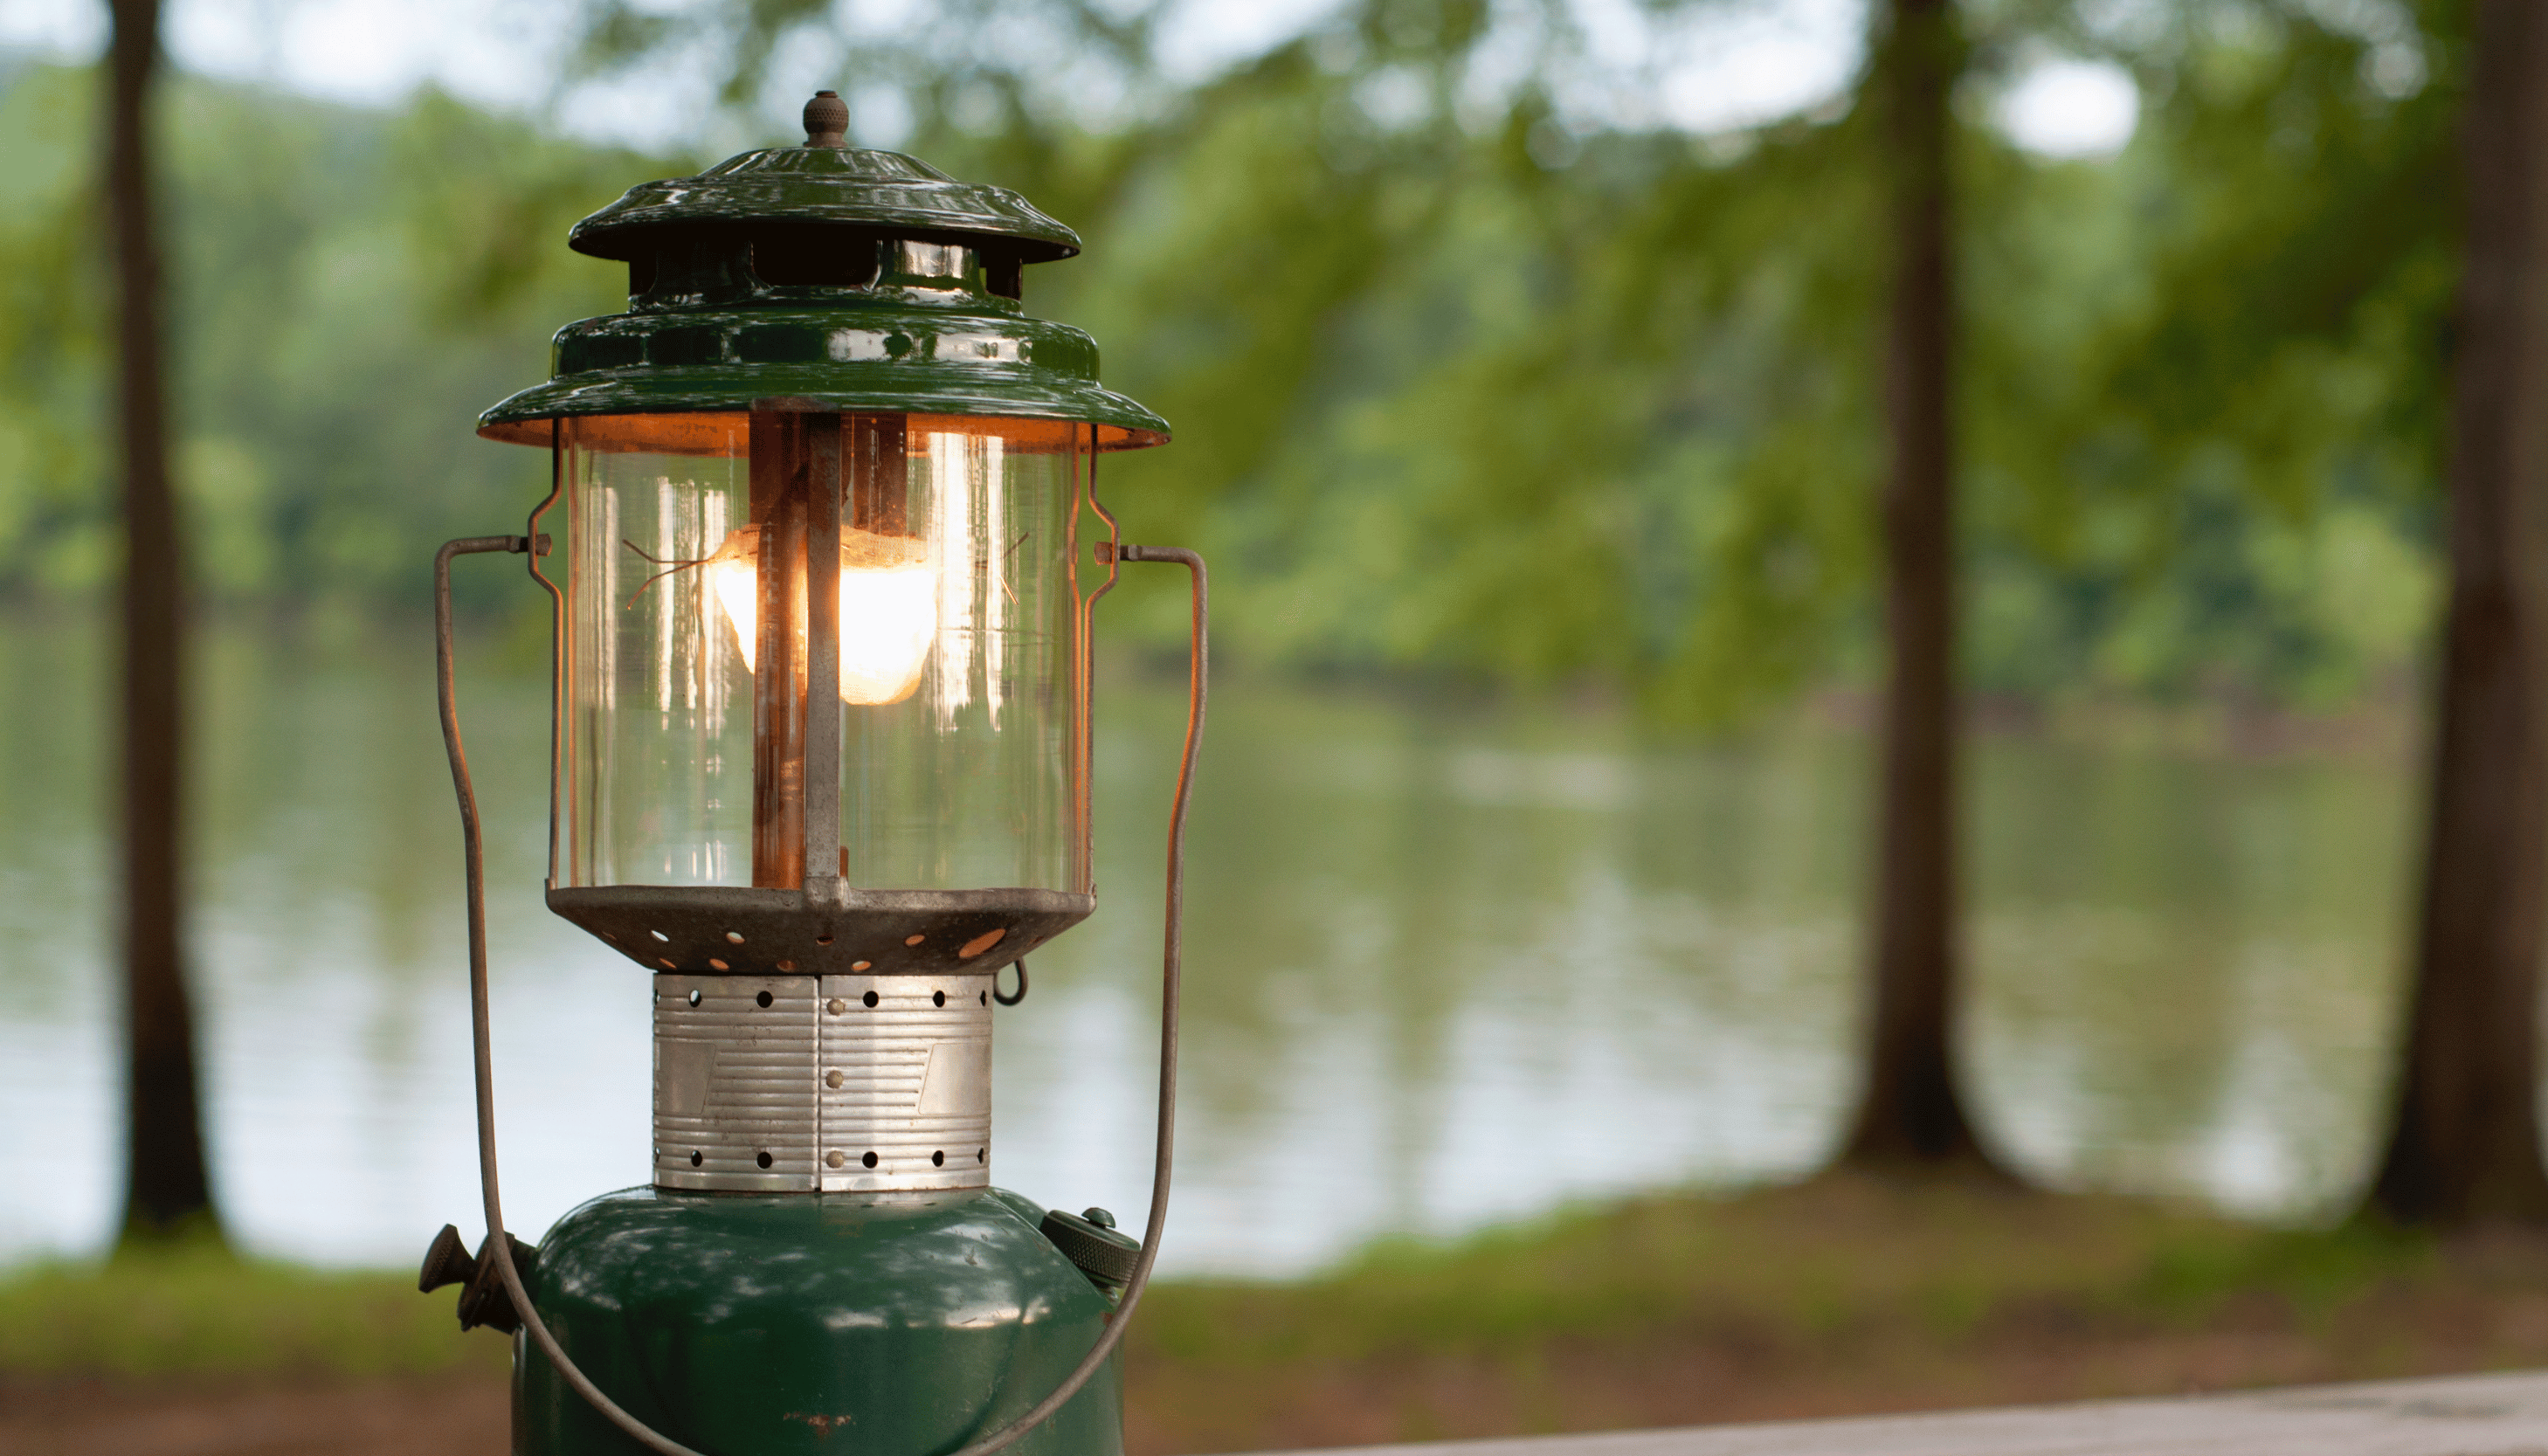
823,541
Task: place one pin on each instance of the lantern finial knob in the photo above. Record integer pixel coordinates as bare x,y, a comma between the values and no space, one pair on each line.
827,120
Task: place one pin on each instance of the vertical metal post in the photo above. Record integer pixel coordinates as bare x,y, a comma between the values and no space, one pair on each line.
778,699
1084,835
823,625
879,472
875,484
560,773
1086,669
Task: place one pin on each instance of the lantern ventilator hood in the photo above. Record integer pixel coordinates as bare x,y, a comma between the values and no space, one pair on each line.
841,277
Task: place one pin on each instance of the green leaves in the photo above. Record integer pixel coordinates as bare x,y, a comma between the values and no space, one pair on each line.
1463,382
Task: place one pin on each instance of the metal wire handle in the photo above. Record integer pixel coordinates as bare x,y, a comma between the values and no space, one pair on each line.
1171,981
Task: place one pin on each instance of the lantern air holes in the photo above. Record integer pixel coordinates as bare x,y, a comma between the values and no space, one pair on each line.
861,965
981,943
835,1158
986,998
913,939
868,1160
660,935
716,965
822,939
763,1160
694,998
869,998
786,966
982,1154
939,998
836,1006
666,962
734,937
938,1160
695,1157
761,1000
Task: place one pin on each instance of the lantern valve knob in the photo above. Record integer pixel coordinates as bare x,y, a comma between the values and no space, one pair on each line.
483,1299
827,120
446,1261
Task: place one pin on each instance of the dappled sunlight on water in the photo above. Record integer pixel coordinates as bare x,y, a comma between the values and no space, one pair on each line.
1447,967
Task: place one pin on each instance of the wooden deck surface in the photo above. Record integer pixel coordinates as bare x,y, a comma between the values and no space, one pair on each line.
2464,1415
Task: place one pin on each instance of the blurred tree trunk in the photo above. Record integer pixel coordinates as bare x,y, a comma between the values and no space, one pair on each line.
165,1187
2466,1148
1909,1114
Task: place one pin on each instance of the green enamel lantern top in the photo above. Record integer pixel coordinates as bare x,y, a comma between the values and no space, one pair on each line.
840,186
831,277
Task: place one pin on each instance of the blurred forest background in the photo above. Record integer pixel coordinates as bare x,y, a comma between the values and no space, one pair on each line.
1612,387
1490,371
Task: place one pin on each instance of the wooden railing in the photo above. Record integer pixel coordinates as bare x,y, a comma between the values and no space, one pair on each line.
2463,1416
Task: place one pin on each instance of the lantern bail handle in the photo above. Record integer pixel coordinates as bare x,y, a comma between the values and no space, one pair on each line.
1171,981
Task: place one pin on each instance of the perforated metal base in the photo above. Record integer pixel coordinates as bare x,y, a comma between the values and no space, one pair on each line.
825,929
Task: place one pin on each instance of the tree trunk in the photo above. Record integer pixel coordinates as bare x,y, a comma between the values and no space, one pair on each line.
2466,1148
166,1190
1909,1113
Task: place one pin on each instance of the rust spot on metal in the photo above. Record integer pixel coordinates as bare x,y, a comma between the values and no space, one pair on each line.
981,943
823,1425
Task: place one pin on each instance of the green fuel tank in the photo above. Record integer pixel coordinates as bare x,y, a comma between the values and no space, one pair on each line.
744,1324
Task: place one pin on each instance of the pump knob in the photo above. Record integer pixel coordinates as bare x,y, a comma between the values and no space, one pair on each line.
1104,1255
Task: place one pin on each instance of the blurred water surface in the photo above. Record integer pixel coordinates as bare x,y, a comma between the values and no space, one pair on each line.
1449,965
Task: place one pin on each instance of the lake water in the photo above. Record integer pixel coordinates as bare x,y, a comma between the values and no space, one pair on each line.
1448,967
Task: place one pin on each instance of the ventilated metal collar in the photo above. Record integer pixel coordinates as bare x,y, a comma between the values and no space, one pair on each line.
831,1084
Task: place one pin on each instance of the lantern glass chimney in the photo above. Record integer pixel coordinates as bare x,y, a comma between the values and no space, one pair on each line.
684,671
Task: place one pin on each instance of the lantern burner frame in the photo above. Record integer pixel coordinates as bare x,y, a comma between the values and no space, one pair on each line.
828,928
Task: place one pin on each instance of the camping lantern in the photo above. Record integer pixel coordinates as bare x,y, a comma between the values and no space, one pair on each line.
823,541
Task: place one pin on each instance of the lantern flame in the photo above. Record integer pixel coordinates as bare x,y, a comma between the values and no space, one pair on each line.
888,608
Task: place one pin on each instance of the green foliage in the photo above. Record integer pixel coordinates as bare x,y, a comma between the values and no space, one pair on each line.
197,1311
348,289
1460,386
2225,472
2189,1279
1830,1264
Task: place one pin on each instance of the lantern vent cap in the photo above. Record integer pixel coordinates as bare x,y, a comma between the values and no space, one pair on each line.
824,182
